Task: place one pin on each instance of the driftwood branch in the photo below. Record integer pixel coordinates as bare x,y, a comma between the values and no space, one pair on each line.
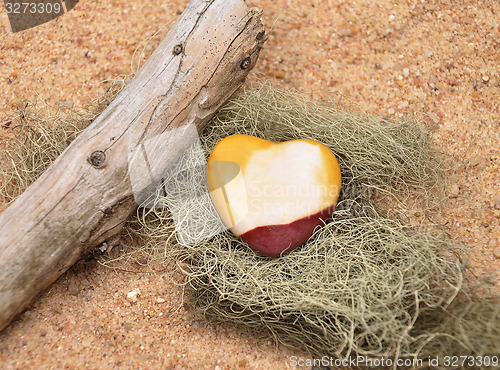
86,195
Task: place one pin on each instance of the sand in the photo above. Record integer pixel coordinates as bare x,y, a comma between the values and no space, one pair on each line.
438,59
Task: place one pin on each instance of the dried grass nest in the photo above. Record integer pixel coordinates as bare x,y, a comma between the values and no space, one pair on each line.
367,283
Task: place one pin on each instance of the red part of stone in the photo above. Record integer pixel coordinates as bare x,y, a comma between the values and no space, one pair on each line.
276,240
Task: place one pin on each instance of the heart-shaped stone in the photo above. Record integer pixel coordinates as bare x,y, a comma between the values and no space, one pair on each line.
273,195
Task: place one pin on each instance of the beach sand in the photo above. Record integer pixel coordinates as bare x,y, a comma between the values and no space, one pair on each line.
438,59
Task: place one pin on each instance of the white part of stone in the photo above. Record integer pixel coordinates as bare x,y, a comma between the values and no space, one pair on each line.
280,185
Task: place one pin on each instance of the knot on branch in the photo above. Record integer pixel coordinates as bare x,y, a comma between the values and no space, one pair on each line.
245,63
97,159
177,49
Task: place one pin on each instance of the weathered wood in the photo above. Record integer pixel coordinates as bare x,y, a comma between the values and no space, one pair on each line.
86,195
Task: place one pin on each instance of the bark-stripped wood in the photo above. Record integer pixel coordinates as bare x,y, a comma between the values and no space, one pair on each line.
86,195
